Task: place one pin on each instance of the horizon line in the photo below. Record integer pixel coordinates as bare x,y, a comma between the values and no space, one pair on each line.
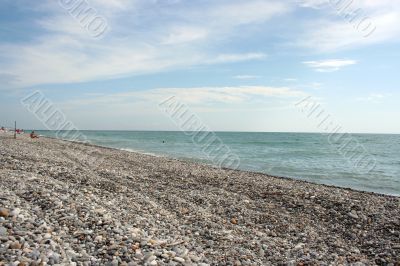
226,131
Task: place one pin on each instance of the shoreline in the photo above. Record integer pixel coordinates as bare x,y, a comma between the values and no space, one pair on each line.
192,160
65,202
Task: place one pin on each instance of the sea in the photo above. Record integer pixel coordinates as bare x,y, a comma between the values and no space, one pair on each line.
366,162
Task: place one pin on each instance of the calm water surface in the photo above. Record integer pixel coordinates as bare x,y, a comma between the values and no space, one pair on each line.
298,155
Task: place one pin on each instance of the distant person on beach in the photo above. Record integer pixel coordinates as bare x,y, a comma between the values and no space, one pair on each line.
33,135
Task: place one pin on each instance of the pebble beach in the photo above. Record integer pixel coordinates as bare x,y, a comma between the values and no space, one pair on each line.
65,203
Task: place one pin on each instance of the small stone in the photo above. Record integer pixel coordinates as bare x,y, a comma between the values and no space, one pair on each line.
184,210
234,221
237,263
353,215
15,212
179,259
135,246
149,257
3,231
20,233
194,258
35,254
171,253
4,212
15,245
152,242
183,252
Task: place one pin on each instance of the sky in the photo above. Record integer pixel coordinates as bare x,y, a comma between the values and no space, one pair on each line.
239,65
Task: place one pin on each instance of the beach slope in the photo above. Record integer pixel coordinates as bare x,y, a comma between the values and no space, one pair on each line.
76,204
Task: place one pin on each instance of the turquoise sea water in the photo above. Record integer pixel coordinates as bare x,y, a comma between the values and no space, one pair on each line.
311,157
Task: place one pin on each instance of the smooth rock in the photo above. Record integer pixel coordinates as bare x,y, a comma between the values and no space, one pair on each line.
15,245
4,212
179,259
353,215
3,231
15,212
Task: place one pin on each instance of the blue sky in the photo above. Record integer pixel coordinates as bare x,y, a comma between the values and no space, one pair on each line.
239,65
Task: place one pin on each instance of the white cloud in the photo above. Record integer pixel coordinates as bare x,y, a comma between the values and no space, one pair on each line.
139,109
244,12
230,58
330,65
64,60
226,94
113,4
373,98
362,23
313,3
185,34
143,39
64,25
246,77
196,95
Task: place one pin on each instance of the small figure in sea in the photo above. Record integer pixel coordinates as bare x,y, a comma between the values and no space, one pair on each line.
163,141
33,135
